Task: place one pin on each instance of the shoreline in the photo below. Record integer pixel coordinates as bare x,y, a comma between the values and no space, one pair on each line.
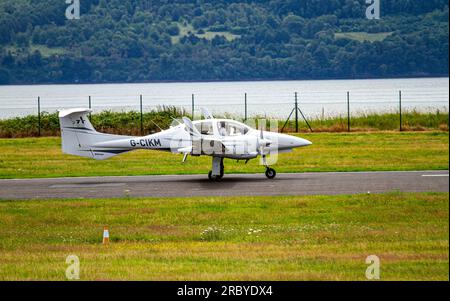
224,81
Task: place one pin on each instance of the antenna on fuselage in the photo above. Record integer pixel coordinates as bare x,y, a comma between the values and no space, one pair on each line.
156,125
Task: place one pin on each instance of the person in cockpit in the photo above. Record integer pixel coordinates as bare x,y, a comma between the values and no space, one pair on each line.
222,129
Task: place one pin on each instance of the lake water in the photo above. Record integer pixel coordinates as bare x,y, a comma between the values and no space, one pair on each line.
270,98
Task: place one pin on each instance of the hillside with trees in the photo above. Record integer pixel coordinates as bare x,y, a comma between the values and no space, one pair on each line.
180,40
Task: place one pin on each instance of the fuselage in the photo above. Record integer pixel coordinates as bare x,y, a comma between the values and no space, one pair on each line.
224,138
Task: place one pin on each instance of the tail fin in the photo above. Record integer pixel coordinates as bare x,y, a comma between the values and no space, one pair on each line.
79,137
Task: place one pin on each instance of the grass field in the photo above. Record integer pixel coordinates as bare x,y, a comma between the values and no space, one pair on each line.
43,49
363,36
42,157
186,30
232,238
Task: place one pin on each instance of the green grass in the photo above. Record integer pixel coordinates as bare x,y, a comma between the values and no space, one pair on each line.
362,36
209,35
43,49
228,238
42,157
47,51
185,30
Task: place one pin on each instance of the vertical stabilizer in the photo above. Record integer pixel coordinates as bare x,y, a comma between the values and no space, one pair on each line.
79,136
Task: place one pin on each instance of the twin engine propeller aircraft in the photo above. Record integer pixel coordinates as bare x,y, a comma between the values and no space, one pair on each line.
218,138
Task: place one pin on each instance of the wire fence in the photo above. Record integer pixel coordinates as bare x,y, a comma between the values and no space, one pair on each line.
294,107
294,101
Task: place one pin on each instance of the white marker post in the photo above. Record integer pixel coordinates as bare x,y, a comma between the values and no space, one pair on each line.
105,235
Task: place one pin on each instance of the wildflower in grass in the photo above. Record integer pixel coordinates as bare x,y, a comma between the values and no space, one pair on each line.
253,231
211,234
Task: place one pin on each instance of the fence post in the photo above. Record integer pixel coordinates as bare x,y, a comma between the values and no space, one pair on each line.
39,116
90,107
193,106
245,107
400,107
296,113
142,122
348,111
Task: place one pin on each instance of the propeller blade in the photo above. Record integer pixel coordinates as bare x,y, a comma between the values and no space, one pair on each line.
262,143
206,113
192,129
260,138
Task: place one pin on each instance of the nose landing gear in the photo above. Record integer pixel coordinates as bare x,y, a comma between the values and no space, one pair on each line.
270,173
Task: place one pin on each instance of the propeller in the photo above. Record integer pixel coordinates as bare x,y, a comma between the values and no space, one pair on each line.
193,133
262,143
206,113
191,128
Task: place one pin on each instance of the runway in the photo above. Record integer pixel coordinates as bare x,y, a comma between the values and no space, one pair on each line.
323,183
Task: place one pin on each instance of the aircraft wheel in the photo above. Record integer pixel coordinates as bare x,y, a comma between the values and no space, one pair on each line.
215,178
270,173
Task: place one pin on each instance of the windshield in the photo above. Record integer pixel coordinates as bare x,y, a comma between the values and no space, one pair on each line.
230,128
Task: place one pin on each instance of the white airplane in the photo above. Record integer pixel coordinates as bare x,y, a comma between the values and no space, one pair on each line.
218,138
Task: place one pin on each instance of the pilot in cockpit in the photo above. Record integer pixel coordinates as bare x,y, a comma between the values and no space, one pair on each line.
222,129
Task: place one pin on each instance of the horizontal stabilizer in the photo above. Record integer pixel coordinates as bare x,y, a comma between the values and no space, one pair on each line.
79,137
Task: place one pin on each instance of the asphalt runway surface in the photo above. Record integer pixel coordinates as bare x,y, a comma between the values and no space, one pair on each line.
323,183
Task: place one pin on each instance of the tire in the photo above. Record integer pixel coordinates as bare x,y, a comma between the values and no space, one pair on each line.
270,173
215,178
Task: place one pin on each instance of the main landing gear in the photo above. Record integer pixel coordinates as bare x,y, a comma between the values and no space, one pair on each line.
217,172
215,178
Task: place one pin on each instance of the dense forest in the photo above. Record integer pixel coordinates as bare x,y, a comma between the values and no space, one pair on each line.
181,40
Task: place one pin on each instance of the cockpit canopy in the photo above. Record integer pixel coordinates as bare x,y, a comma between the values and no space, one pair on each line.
222,127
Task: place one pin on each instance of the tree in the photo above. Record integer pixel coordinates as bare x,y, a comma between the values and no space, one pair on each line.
4,76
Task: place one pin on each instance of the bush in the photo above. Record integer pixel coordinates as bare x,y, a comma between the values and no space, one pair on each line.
123,123
129,123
